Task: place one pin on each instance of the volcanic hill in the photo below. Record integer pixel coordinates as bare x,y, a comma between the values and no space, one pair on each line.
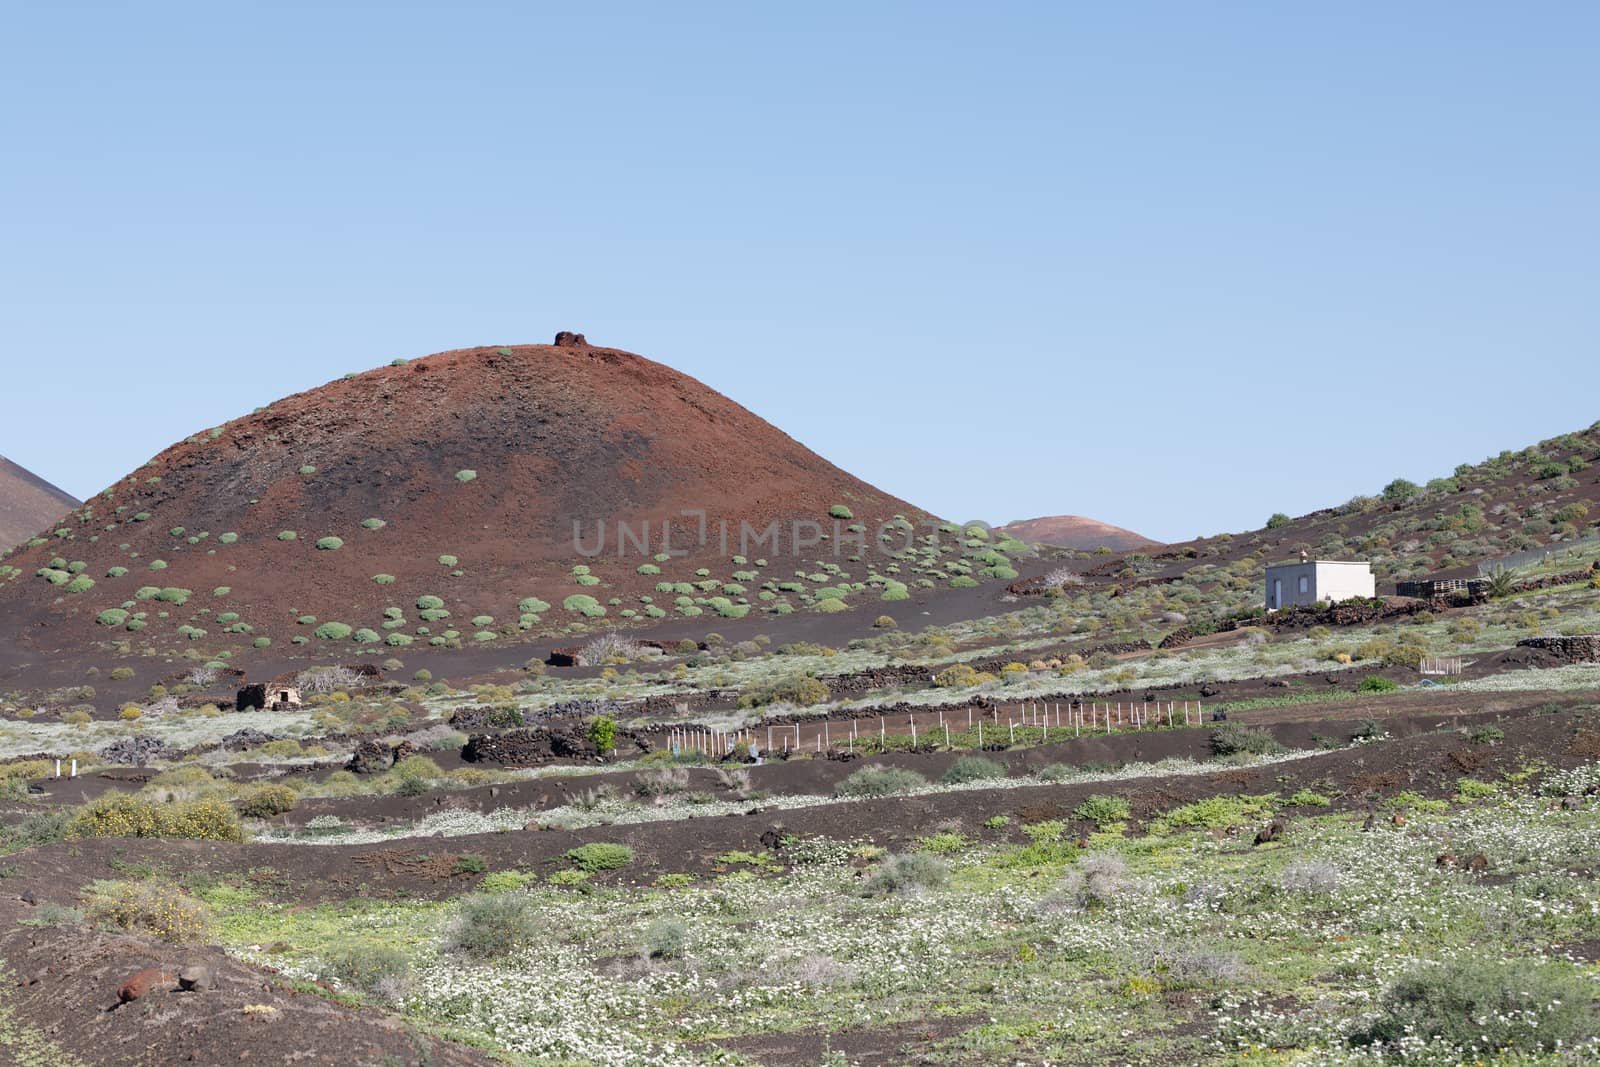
435,500
28,504
1075,531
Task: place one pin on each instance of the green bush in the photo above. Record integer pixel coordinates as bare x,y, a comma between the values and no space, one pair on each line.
1485,1006
839,511
1234,738
603,732
1103,810
871,782
383,579
330,544
532,606
265,801
666,937
803,691
288,535
584,604
465,476
371,967
909,873
599,856
489,925
81,584
1276,520
112,617
373,524
333,631
1377,683
972,769
365,636
469,863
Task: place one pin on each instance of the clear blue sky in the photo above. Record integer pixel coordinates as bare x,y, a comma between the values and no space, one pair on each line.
1175,266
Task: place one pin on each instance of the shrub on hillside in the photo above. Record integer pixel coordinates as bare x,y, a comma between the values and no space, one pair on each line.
599,856
1377,683
1103,810
1488,1006
378,969
972,769
207,818
879,782
490,925
803,691
265,801
1234,738
665,937
909,873
165,912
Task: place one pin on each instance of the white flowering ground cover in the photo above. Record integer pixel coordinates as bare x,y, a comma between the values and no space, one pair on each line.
1190,947
619,810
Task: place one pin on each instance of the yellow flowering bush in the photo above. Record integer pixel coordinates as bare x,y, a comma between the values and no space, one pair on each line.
165,911
208,818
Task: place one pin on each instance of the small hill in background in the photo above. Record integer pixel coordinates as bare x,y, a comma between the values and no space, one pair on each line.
28,504
1075,531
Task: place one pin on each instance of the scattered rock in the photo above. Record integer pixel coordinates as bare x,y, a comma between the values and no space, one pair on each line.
249,737
1271,832
140,750
371,757
1477,862
1398,819
28,897
1446,859
195,978
141,984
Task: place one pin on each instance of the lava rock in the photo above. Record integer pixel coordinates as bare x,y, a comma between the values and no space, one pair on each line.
370,757
137,750
141,984
195,978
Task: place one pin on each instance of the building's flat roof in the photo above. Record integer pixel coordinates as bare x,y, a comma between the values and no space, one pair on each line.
1322,563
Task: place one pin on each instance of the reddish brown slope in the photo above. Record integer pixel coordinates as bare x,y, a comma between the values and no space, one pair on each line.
1075,531
555,435
28,504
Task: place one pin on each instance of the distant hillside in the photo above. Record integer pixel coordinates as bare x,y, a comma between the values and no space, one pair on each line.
1075,531
28,504
1541,495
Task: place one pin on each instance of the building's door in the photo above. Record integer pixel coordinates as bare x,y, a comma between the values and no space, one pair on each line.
1277,594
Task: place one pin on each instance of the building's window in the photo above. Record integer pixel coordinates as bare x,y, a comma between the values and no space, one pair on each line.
1305,585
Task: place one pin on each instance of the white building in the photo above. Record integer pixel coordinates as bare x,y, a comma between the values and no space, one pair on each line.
1309,581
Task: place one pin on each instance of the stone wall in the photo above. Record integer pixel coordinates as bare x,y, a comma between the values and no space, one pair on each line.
1584,648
